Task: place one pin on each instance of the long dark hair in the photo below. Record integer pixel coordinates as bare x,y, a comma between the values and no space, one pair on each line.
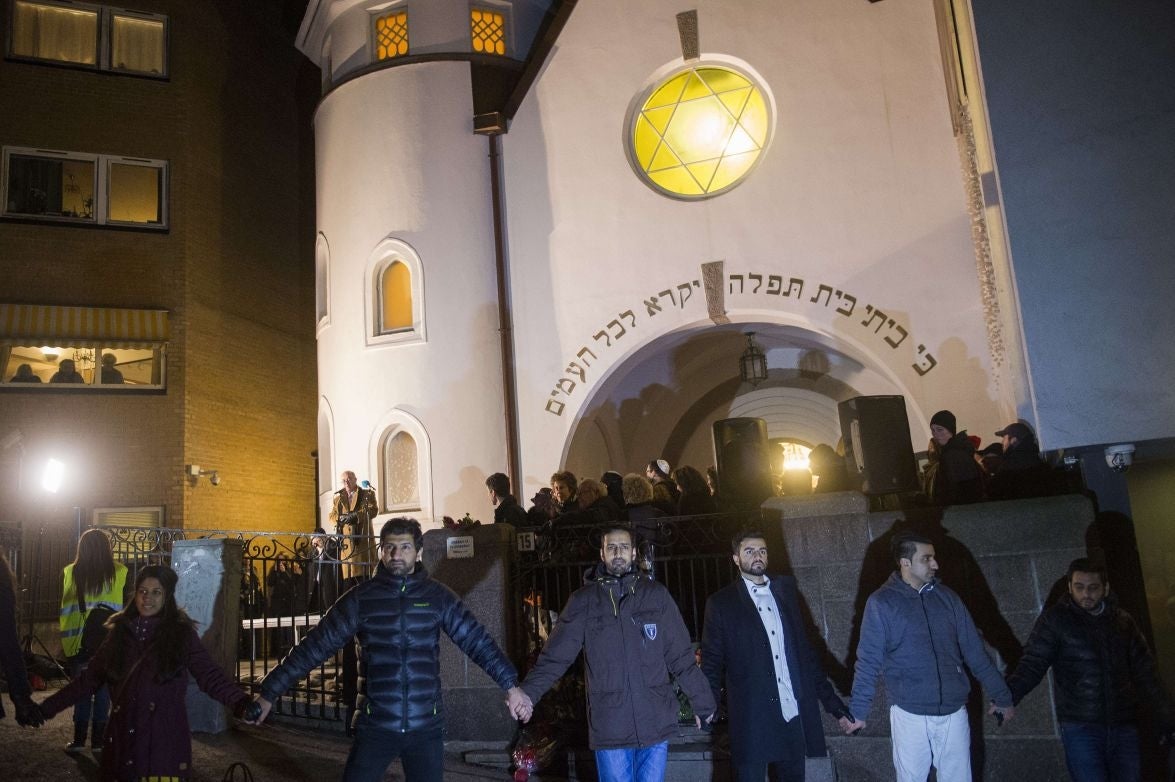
169,645
93,567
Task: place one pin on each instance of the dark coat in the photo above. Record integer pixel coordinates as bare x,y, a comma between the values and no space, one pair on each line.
1101,665
695,504
633,640
322,576
148,732
11,658
510,512
736,657
644,520
959,478
1022,473
398,621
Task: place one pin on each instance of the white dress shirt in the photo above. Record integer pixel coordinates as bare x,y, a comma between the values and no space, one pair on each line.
769,614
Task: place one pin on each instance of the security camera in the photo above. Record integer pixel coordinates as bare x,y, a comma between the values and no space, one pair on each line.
1119,458
214,478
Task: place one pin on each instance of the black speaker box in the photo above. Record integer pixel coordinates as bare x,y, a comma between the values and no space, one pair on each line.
743,456
878,453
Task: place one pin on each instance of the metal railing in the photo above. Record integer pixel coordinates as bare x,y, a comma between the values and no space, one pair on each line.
690,555
282,592
278,601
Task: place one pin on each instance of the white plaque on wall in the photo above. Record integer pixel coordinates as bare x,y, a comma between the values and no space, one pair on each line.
459,548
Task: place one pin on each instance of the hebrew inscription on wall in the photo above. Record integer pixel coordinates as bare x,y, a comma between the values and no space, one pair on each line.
873,320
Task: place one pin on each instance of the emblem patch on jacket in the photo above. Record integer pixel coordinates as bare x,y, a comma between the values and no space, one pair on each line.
651,632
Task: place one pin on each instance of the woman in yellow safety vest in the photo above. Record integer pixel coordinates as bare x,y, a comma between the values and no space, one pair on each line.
94,588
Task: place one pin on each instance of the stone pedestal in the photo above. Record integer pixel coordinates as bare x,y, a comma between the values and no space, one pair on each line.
1003,558
477,564
209,591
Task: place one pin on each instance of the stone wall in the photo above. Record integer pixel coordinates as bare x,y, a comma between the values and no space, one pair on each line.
1002,558
474,704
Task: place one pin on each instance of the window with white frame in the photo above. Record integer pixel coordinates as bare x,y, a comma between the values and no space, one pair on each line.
395,288
402,457
78,187
401,474
89,35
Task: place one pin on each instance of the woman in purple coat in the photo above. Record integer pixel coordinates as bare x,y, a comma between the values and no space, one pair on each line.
146,659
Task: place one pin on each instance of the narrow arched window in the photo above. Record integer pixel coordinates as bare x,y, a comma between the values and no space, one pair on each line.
395,286
395,294
321,282
401,473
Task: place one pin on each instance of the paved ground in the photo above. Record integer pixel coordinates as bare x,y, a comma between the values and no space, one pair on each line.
272,752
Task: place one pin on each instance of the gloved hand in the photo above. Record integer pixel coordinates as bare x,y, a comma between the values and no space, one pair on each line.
28,713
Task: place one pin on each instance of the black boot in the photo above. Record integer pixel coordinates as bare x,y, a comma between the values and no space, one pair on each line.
98,736
79,739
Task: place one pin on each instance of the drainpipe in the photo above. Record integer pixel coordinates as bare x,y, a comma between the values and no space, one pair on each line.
505,314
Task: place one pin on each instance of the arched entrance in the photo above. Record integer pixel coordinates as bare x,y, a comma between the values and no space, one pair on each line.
661,400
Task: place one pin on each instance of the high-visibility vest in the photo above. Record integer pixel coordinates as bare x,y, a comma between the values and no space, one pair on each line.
73,619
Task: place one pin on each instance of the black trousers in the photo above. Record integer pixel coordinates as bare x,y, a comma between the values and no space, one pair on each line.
789,767
421,752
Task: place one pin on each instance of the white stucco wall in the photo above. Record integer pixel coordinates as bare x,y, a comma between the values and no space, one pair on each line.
861,191
396,159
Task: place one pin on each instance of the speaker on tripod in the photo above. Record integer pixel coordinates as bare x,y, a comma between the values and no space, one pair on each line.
878,453
743,457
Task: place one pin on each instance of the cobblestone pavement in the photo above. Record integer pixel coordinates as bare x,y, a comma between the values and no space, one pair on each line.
273,752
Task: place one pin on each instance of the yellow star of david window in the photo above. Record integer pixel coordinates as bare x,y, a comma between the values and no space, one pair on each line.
700,132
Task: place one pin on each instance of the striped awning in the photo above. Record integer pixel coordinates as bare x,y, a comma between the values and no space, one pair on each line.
43,324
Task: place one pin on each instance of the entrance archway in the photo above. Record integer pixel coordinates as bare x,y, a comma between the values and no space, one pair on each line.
661,400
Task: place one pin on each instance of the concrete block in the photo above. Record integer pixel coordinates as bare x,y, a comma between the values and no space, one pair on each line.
1011,581
209,590
1038,524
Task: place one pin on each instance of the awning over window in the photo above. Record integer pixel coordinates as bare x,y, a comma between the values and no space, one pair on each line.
48,325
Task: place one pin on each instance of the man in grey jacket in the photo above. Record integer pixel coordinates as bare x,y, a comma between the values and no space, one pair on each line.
633,640
919,633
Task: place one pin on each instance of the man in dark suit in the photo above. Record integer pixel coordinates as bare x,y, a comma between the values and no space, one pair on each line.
754,647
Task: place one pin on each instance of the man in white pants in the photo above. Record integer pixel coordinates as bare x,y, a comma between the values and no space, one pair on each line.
919,634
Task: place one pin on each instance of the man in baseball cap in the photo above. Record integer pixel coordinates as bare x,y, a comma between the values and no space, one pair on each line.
1022,473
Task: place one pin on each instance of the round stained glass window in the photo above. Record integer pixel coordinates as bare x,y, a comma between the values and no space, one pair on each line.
700,131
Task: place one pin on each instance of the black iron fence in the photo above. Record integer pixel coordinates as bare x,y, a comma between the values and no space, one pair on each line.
690,555
289,580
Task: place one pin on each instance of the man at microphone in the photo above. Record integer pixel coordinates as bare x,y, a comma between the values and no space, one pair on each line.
351,513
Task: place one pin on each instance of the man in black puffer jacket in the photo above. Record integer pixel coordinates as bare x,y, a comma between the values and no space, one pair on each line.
1103,671
397,617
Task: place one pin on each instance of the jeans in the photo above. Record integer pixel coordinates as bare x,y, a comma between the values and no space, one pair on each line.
1101,753
421,752
921,741
635,764
96,706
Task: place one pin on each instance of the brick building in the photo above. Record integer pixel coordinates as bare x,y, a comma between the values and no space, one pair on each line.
158,209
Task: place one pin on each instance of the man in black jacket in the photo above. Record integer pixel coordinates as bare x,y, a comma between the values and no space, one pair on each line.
1102,669
397,617
633,640
506,508
754,647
